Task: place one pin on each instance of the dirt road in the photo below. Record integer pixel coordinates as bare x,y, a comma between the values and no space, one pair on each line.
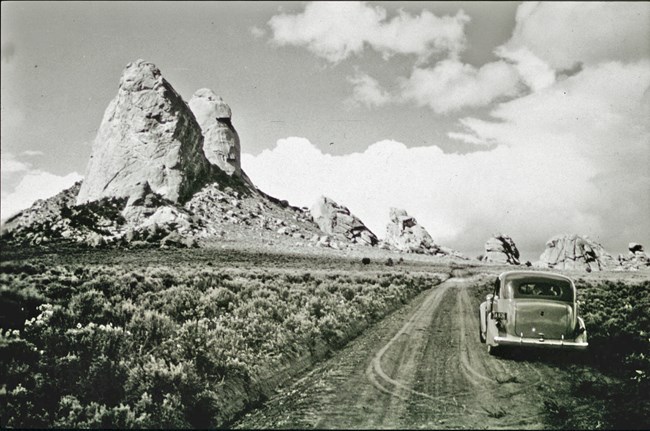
421,367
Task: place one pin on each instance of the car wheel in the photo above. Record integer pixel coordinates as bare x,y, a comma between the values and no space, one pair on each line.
493,350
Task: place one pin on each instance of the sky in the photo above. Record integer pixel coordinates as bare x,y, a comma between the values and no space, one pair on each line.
528,119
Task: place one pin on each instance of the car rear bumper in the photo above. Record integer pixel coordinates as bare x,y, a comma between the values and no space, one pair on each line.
509,340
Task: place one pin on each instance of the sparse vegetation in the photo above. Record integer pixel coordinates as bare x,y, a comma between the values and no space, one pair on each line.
177,343
610,385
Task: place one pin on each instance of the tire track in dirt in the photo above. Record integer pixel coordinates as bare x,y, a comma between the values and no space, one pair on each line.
422,366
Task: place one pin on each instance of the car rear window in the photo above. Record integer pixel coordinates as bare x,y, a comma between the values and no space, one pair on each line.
559,290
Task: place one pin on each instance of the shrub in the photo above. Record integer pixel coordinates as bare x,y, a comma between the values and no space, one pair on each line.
122,346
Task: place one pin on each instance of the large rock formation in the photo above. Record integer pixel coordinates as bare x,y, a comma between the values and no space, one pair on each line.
148,134
575,252
221,141
334,219
635,259
149,183
501,249
405,234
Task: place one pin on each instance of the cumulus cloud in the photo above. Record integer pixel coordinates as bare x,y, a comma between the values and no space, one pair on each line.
367,91
9,165
35,185
564,33
468,138
533,71
257,32
32,153
27,184
338,30
460,199
452,85
572,158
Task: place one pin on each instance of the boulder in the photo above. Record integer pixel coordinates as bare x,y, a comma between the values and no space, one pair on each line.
635,247
221,141
501,249
403,233
635,259
575,252
336,220
148,134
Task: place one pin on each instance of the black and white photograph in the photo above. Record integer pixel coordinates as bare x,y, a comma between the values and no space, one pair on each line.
325,215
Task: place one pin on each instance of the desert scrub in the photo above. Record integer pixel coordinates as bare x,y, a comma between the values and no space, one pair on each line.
617,316
118,345
610,384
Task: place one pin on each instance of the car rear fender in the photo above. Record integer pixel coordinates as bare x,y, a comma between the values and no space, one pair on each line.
491,331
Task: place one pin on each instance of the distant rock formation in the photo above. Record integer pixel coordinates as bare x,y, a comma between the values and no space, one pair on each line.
335,219
635,259
221,141
501,249
148,134
575,252
403,233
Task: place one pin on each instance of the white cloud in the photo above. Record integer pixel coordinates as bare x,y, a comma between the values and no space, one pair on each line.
565,33
468,138
35,185
257,32
10,166
452,85
533,71
572,158
460,199
337,30
32,153
367,91
27,184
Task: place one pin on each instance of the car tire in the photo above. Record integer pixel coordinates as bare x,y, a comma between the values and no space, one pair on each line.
493,350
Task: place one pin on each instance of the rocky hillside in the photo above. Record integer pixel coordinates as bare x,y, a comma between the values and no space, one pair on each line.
162,172
166,173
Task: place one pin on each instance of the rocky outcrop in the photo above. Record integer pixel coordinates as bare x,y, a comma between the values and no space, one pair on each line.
403,233
635,259
149,183
575,252
336,220
148,134
42,211
221,141
501,249
94,224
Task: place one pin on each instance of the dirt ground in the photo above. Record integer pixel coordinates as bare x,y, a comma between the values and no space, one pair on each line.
423,367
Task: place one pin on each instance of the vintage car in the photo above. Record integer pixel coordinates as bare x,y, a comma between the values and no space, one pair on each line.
532,308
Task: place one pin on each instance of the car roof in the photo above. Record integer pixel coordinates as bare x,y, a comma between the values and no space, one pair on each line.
538,274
